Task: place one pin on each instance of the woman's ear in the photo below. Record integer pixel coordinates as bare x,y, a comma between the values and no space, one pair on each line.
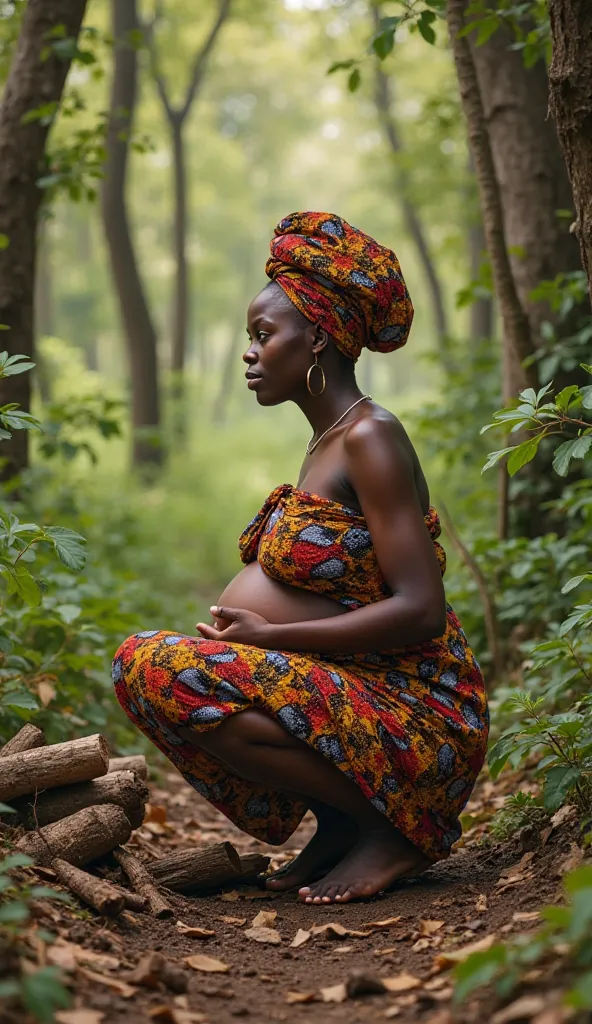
320,339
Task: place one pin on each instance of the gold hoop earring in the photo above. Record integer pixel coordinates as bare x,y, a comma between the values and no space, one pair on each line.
316,365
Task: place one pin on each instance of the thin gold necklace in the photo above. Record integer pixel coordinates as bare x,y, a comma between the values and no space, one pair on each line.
311,446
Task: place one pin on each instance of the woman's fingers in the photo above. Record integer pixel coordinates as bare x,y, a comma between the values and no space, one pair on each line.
231,614
208,632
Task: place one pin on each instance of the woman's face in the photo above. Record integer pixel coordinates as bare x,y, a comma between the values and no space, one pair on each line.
280,348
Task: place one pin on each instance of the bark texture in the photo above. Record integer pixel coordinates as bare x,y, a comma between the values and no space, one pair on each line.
80,838
132,763
96,892
55,765
570,77
137,322
529,166
143,883
518,337
26,738
190,870
121,788
35,79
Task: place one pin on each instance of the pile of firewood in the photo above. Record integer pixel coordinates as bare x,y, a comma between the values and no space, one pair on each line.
78,806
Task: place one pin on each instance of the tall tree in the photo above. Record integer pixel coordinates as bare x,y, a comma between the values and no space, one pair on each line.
36,78
571,106
531,172
412,219
139,329
176,115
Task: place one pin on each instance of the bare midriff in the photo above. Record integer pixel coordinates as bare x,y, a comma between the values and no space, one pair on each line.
277,602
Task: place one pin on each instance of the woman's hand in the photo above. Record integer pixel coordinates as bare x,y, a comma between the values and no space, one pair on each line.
237,626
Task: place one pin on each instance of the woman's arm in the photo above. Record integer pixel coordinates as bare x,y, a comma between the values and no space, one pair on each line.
380,471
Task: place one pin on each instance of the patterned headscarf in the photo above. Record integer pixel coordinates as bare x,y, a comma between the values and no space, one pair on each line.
343,280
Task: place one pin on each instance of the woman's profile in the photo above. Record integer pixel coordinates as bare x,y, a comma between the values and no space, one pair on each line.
334,676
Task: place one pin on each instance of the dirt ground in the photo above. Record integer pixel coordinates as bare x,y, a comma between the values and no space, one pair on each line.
482,890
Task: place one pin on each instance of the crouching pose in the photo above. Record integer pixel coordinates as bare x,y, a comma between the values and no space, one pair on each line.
334,676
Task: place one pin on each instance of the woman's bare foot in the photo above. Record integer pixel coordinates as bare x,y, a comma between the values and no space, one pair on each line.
335,836
379,857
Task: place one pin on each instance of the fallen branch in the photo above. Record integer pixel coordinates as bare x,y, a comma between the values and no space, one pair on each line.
143,883
188,870
79,838
253,865
55,765
133,763
96,892
121,788
26,738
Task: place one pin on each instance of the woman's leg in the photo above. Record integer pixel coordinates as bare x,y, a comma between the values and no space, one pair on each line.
259,749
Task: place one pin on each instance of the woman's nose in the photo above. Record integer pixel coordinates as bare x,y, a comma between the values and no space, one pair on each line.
249,356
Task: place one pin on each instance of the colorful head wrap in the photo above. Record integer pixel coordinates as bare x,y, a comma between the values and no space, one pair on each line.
343,280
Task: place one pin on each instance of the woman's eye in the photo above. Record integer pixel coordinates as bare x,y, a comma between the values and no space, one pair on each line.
262,335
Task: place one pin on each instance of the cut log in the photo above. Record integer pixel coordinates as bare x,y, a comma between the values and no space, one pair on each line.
133,900
189,870
55,765
143,883
253,865
98,893
134,763
121,788
26,738
79,838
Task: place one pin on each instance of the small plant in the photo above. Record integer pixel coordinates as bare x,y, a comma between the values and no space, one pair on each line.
521,810
566,934
38,990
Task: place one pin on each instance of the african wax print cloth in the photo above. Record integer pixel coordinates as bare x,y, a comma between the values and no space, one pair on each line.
343,280
409,725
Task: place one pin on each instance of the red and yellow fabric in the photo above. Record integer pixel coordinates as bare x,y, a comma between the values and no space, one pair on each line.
408,726
343,280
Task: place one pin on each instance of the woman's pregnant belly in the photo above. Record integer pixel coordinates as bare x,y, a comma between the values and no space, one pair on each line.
277,602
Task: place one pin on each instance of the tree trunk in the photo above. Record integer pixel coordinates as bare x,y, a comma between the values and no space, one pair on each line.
383,100
481,316
570,78
181,305
229,366
517,331
138,326
36,78
531,173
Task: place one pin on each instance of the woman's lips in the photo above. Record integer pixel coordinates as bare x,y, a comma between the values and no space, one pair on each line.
252,382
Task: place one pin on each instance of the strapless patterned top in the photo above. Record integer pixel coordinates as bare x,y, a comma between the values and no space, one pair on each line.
408,726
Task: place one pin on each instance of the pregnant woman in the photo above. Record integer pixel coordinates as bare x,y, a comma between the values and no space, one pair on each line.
334,676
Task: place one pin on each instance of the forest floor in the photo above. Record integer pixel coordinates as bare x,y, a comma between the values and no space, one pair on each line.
483,890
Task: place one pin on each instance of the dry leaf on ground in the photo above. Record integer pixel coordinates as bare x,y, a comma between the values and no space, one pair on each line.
209,964
269,935
121,987
233,920
335,930
301,997
79,1016
231,896
526,915
68,955
429,927
334,993
155,812
155,969
389,922
446,958
481,904
522,1008
392,1011
402,982
264,919
565,813
572,861
193,932
300,938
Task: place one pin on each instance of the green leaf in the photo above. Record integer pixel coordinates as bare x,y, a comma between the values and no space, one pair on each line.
494,457
19,699
523,453
68,546
354,80
564,397
580,996
15,860
478,970
569,450
20,581
39,892
586,393
558,782
342,65
575,582
14,913
68,612
4,241
424,24
9,989
43,993
5,809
